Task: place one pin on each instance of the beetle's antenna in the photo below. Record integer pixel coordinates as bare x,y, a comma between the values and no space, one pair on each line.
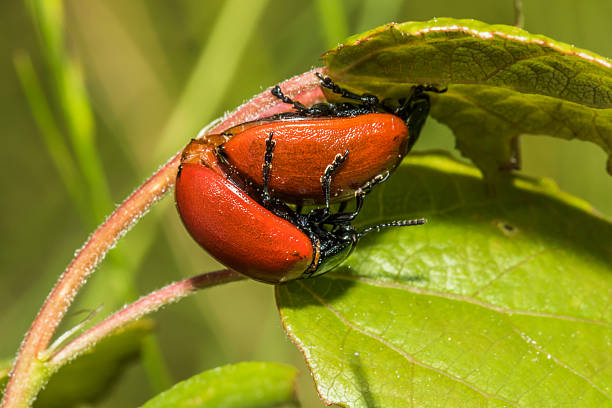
403,223
366,99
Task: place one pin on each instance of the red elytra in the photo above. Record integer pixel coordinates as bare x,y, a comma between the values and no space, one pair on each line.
377,142
308,138
236,230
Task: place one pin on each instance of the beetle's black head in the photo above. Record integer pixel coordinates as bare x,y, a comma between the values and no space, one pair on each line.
334,246
331,248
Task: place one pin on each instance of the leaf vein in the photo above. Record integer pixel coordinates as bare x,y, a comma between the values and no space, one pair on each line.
556,360
400,351
510,269
467,299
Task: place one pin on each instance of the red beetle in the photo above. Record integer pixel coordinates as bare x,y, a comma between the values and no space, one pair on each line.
308,139
259,236
236,230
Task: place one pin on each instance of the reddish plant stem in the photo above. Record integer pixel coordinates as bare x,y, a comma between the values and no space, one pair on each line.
21,390
145,305
38,337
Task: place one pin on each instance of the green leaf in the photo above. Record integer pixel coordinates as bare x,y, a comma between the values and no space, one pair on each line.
242,385
89,376
502,82
499,300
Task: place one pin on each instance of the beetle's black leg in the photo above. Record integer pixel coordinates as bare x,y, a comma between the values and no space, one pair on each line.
298,208
326,182
416,110
342,206
267,166
366,99
360,193
277,91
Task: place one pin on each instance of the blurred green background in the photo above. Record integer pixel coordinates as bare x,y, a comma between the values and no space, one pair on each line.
115,88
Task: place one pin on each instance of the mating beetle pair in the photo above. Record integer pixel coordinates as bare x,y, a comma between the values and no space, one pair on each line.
233,188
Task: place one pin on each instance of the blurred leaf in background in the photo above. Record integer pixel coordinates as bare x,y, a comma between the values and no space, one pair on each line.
88,378
154,72
242,385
